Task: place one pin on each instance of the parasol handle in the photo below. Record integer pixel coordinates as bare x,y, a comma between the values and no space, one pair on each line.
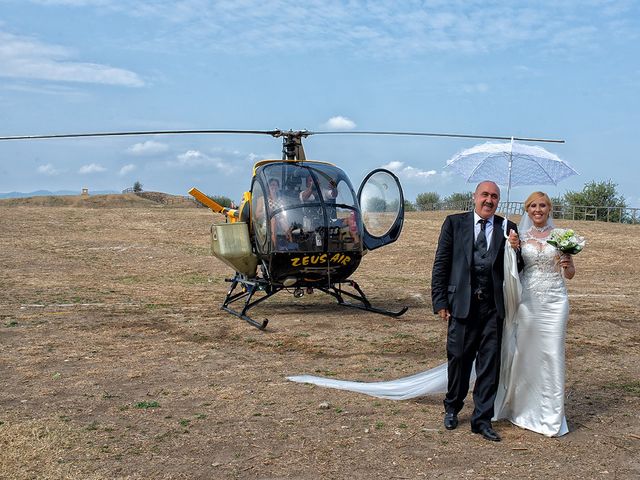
506,220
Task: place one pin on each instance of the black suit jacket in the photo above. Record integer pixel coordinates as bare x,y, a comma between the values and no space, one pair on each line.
451,274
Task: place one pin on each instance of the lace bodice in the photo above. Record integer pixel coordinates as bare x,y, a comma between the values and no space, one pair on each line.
542,275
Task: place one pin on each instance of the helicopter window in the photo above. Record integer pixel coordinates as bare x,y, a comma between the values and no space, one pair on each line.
380,203
346,194
334,185
344,230
308,205
259,216
282,187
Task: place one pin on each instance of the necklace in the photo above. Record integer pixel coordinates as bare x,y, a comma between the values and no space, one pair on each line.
541,229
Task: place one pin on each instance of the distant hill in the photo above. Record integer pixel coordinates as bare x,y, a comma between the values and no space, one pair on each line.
114,200
47,193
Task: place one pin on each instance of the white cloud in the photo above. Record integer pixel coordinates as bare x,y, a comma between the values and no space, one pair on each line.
91,168
147,148
475,88
198,159
408,172
47,169
127,169
382,28
340,123
23,57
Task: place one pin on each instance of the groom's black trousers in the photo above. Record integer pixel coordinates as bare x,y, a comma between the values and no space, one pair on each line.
478,338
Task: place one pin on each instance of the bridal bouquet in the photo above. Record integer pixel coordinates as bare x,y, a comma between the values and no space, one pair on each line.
566,240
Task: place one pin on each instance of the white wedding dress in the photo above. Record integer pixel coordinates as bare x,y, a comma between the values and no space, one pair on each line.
531,389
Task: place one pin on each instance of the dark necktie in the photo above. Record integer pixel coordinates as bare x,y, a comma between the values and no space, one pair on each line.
481,241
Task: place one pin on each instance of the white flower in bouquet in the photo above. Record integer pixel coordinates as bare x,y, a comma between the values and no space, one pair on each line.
566,240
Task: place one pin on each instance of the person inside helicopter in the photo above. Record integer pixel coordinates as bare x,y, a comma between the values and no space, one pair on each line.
328,193
281,236
342,226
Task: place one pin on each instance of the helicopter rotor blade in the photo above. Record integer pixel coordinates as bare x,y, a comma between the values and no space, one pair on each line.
273,133
446,135
277,133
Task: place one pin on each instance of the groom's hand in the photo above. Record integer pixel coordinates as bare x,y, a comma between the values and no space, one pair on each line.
444,314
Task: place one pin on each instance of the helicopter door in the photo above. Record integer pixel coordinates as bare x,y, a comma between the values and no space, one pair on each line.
382,206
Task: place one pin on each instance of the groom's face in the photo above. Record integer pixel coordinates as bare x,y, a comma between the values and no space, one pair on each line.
486,198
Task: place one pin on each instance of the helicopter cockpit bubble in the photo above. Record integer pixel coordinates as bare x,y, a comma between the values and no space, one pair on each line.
300,227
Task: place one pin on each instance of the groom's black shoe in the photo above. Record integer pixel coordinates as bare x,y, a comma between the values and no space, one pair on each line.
450,420
487,432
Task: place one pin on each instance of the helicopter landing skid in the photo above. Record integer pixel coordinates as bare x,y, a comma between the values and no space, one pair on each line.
249,288
337,292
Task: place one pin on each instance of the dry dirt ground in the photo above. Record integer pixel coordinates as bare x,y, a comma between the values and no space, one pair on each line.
116,361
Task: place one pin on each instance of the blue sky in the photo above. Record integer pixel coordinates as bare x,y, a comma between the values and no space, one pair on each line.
551,69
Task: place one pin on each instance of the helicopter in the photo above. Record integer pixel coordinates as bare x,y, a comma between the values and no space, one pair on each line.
301,226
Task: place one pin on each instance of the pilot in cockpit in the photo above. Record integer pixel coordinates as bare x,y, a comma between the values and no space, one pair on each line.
330,192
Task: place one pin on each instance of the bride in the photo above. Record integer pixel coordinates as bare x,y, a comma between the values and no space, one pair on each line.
531,389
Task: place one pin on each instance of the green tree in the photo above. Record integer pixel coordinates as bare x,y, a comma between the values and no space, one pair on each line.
137,187
559,207
222,200
458,201
598,196
427,201
409,206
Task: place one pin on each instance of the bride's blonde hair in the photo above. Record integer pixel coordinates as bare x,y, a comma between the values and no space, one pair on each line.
535,196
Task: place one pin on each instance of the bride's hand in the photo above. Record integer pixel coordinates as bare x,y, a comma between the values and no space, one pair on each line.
566,262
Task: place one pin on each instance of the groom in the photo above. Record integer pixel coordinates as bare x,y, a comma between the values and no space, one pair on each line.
466,290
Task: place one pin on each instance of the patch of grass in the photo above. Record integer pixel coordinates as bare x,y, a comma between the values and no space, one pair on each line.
11,323
327,373
632,388
156,306
184,422
403,425
145,405
130,280
378,425
92,426
339,410
201,416
194,279
403,335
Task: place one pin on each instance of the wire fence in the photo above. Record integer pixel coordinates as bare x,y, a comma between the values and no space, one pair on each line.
563,212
